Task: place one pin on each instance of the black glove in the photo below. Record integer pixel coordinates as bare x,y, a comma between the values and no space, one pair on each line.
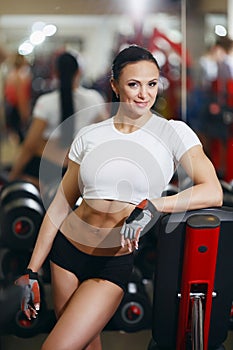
142,218
30,300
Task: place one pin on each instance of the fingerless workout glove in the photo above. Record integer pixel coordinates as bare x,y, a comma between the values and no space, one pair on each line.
30,299
140,220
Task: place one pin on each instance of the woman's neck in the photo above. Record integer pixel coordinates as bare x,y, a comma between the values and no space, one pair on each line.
127,124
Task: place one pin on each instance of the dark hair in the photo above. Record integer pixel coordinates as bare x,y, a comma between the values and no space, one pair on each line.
66,66
131,54
225,43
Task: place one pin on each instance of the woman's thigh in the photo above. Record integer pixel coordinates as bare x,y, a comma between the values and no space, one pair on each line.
88,311
64,284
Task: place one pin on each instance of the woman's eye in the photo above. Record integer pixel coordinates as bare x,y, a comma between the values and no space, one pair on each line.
153,83
133,84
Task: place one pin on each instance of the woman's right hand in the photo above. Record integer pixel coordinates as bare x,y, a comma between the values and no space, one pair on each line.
30,298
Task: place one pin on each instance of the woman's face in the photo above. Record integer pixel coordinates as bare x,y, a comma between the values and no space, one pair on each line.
137,87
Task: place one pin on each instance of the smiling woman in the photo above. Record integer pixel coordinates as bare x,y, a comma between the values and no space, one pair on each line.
140,92
120,167
120,152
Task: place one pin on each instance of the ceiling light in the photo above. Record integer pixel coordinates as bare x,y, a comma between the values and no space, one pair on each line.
220,30
49,30
37,37
25,48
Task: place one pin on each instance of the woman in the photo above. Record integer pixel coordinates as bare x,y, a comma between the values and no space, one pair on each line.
51,122
115,165
17,96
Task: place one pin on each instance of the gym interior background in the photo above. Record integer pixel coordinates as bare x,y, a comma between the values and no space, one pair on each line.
178,32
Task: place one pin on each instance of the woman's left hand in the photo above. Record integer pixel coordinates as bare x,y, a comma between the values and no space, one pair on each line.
138,222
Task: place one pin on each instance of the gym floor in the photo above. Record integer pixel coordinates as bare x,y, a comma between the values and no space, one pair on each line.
113,340
110,340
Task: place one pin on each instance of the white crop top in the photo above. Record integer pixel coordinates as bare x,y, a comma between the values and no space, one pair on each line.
130,167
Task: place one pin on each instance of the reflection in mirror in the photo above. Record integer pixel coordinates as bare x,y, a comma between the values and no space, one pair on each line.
96,38
176,35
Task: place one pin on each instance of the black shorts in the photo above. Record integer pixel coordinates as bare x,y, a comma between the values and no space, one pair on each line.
116,269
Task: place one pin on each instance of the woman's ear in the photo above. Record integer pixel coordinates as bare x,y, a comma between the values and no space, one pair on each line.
114,86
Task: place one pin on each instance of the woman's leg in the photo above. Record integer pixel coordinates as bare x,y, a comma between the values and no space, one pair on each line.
95,344
83,312
64,284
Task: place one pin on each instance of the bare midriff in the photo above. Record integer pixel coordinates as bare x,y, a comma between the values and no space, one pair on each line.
94,227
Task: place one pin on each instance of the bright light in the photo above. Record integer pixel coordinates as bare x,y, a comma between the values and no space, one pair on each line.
38,26
37,37
49,30
164,83
160,57
137,9
220,30
39,33
174,59
175,36
162,44
25,48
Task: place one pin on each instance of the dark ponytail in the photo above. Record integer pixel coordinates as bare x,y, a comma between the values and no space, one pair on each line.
67,66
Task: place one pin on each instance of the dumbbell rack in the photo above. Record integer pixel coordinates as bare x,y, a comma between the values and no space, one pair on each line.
21,213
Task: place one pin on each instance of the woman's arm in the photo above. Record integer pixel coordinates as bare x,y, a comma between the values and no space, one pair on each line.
67,194
206,191
31,144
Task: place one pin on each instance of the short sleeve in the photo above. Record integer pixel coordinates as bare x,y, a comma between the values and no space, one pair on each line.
39,110
76,150
183,138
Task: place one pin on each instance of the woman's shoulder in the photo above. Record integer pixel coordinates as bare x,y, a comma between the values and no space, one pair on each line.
179,125
48,96
168,129
84,92
175,124
158,122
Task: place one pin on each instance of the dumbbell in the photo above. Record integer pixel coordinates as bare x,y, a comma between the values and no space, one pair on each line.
21,214
21,327
13,264
3,178
135,310
9,303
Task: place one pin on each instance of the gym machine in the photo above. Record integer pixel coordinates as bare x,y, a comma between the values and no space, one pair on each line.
193,286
